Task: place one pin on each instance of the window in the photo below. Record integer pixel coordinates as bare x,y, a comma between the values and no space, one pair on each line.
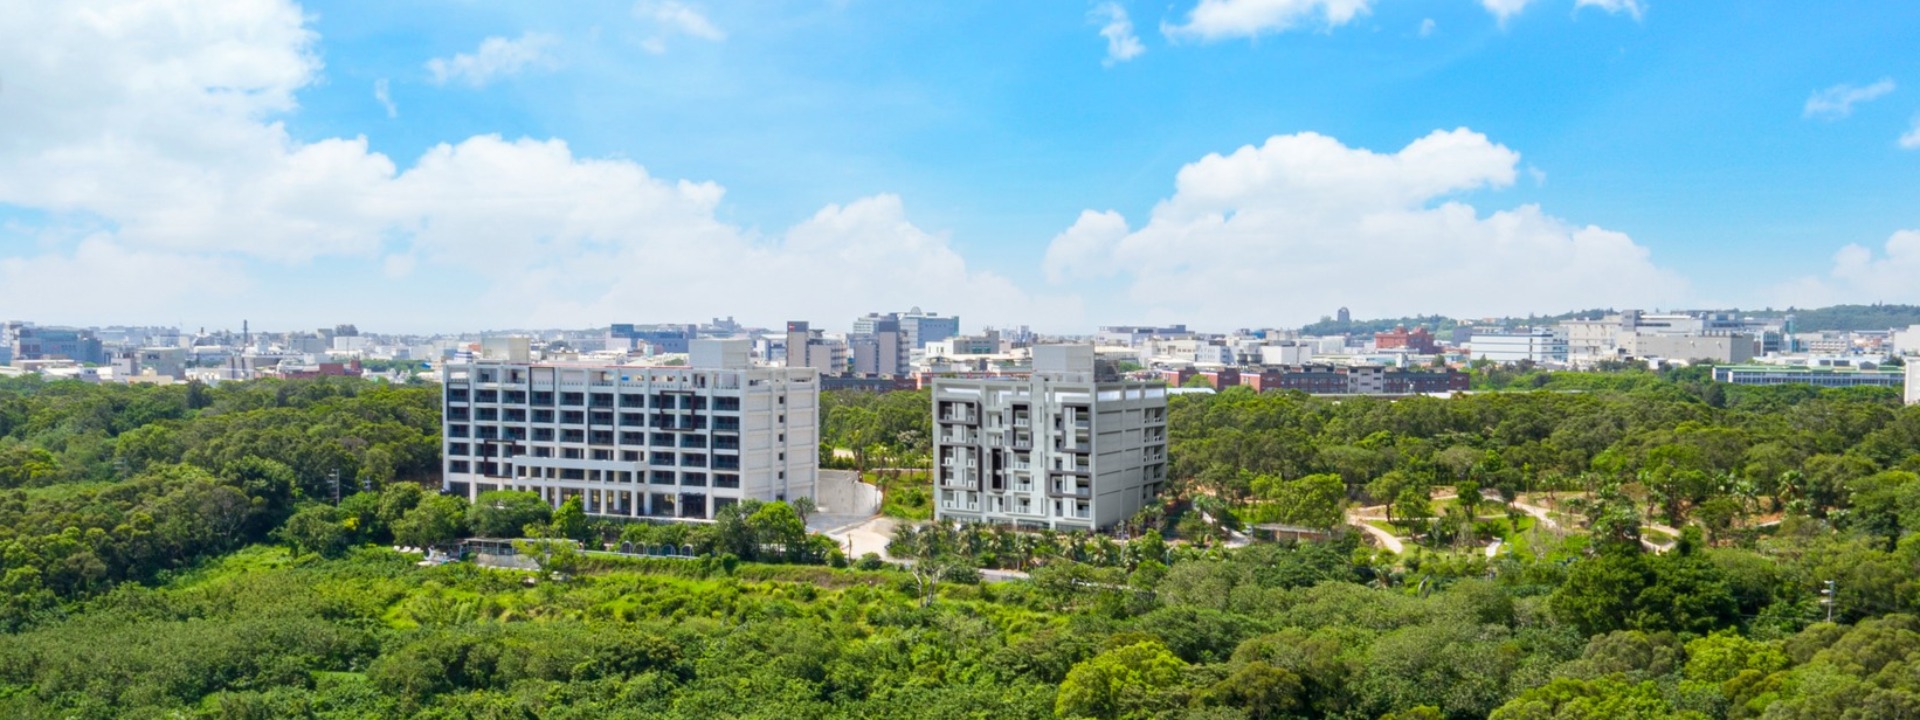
458,466
630,456
573,436
457,449
570,453
543,434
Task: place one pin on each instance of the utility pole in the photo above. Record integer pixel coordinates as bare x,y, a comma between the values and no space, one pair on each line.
335,476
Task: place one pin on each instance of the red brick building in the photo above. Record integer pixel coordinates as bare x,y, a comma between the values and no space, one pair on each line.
1400,338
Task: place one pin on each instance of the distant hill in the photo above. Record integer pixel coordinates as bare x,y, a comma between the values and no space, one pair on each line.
1330,326
1836,317
1852,317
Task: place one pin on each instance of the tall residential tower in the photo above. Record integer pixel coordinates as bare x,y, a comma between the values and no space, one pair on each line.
1070,447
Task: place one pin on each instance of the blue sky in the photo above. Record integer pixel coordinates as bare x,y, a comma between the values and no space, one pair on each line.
863,155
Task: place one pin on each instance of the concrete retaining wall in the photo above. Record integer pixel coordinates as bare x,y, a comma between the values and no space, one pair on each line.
840,492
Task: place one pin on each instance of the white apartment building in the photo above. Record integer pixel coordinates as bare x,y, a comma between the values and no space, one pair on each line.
1539,346
1070,447
1913,384
634,441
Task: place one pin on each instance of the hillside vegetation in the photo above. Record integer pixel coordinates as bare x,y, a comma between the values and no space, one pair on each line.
175,552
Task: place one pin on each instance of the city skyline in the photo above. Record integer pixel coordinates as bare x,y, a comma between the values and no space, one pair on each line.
1226,162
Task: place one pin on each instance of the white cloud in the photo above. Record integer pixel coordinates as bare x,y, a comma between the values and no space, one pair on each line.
1220,19
1122,44
156,120
1426,27
496,57
381,94
1837,102
669,18
1504,9
1911,138
1636,8
1275,234
100,279
1859,276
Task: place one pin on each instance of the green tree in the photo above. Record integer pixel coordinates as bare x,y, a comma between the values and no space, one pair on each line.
1134,681
315,529
504,513
437,520
570,520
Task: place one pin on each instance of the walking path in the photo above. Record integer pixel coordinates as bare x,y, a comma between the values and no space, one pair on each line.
857,536
1384,538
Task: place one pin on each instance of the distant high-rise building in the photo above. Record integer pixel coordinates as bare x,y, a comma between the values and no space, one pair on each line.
1344,316
880,350
35,342
657,338
807,347
924,327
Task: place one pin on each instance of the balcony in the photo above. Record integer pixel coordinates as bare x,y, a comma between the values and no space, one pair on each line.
1061,488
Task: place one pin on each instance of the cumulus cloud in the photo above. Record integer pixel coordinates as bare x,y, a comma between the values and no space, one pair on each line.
1504,9
1220,19
1277,233
1860,276
1636,8
1122,44
669,18
385,98
154,122
497,57
1837,102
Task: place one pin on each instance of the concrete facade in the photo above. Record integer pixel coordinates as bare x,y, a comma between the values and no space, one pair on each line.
1913,384
1540,346
1728,348
634,441
1070,447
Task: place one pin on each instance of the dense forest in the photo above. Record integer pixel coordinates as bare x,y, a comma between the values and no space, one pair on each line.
177,552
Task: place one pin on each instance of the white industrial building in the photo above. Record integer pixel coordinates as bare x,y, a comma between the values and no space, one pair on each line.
1540,346
634,441
1070,447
